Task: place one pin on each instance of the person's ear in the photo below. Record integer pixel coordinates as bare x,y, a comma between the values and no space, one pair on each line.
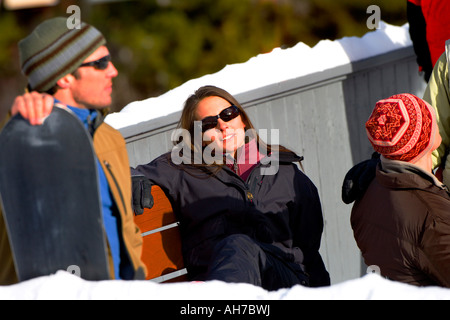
66,81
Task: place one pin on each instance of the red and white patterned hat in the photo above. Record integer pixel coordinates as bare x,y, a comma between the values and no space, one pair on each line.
401,127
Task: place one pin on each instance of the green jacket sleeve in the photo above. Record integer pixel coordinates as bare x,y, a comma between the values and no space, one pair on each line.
437,94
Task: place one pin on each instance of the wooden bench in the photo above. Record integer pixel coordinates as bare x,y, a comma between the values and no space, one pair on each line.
162,244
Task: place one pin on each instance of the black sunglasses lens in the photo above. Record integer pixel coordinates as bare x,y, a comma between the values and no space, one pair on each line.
103,63
226,115
100,64
209,123
229,113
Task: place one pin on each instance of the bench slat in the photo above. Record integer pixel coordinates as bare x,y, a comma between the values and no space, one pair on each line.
161,251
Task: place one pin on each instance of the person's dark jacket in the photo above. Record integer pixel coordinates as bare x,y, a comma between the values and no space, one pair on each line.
401,223
283,210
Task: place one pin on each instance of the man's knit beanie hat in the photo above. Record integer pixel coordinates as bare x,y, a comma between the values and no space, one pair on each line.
401,127
54,50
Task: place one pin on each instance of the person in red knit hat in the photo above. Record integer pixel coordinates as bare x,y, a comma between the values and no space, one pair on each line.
401,222
401,128
429,28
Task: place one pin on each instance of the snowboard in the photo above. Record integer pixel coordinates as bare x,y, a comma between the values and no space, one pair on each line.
50,195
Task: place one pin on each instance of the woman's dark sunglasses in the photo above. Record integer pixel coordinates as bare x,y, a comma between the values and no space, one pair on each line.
226,115
100,64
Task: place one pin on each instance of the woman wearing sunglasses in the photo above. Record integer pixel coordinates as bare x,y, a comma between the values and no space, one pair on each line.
239,224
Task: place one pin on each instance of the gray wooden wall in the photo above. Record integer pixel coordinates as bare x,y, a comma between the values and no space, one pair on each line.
320,116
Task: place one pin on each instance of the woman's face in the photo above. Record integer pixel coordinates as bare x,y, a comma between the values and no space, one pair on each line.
227,136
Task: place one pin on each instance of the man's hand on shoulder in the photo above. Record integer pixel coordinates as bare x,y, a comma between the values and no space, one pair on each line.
33,106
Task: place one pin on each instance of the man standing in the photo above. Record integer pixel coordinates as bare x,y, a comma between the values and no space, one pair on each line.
72,67
400,217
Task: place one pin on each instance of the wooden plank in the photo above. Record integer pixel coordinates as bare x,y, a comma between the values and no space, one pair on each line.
161,251
161,214
140,152
334,160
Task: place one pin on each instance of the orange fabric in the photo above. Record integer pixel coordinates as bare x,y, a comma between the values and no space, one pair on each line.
111,151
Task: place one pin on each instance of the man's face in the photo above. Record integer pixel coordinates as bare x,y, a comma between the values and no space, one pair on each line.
92,87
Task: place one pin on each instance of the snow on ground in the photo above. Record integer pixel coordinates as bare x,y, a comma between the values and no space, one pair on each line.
270,68
65,286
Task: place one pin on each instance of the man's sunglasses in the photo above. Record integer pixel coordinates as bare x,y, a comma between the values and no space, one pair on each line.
226,115
100,64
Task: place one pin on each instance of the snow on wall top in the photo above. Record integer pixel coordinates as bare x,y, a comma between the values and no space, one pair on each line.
270,68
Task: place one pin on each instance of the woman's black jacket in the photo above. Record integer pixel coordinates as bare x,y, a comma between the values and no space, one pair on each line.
211,203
